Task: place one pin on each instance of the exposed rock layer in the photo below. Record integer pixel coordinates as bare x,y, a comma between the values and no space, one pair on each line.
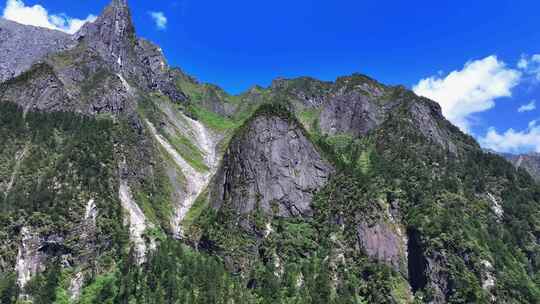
270,165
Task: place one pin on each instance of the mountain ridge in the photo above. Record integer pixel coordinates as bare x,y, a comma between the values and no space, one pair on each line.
125,180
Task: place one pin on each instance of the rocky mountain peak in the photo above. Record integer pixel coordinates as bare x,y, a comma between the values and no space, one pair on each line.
119,3
104,66
112,34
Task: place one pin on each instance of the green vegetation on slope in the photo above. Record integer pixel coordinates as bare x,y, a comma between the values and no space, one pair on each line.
440,195
211,119
57,162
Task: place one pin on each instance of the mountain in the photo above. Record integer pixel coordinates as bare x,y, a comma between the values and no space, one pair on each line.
125,180
530,162
22,45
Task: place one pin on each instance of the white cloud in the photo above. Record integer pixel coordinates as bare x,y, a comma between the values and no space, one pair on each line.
523,63
470,90
159,19
513,141
37,15
527,107
530,65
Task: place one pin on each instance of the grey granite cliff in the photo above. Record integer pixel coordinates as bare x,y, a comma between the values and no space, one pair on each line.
271,165
23,45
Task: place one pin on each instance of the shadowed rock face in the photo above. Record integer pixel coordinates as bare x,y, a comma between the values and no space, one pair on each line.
23,45
417,263
273,166
426,270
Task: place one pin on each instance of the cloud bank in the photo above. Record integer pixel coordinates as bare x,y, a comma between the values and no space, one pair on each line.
513,141
470,90
37,15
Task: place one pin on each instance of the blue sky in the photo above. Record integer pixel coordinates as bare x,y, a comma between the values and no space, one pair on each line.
237,44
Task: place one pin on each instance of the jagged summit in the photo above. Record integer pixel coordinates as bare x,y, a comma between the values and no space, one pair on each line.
119,3
104,67
345,191
113,37
112,34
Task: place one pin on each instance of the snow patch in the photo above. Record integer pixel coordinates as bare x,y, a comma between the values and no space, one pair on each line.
137,221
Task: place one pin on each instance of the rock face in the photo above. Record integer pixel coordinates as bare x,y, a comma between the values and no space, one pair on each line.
426,270
85,88
352,113
427,115
29,259
112,36
44,92
100,69
23,45
355,105
530,162
34,251
381,242
307,91
273,166
438,278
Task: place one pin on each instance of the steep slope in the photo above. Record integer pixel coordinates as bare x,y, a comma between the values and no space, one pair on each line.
57,201
126,181
22,45
105,71
529,162
404,174
113,37
75,197
272,166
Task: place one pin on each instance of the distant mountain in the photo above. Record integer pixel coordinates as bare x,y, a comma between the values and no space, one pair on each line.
530,162
124,180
